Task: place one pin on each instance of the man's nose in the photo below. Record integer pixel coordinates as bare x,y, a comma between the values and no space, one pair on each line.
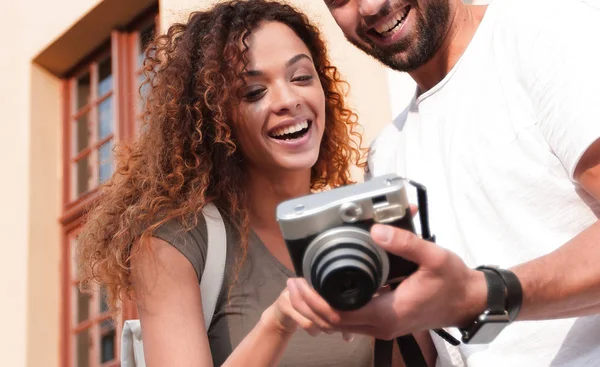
369,7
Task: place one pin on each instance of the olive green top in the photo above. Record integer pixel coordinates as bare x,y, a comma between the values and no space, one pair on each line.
261,279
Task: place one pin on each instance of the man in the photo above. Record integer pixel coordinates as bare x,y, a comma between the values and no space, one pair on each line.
504,132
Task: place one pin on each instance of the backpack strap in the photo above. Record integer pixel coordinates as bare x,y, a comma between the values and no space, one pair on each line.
214,266
132,348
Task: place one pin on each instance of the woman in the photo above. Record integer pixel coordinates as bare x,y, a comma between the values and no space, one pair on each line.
245,111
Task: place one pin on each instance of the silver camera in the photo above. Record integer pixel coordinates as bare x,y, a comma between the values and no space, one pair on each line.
328,237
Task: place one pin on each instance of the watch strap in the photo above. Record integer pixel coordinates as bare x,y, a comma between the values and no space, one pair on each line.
490,322
496,300
514,290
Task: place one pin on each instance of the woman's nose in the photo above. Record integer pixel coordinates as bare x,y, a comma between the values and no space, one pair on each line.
285,99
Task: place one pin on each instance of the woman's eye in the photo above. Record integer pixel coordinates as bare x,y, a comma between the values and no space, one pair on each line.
302,78
254,94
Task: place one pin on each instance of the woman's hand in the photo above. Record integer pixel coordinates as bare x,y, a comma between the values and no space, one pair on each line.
286,319
265,344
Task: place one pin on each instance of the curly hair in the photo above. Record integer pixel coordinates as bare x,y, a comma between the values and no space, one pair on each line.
187,153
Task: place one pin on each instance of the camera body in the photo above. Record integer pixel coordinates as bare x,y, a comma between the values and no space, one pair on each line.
328,238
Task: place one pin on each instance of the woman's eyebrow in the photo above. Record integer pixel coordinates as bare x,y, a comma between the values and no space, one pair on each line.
251,73
290,62
297,58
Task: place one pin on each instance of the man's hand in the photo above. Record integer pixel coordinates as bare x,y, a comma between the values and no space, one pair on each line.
442,292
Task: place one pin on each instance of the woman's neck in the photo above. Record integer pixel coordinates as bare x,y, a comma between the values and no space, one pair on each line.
266,191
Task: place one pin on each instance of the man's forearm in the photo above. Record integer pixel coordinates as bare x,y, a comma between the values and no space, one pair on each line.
564,283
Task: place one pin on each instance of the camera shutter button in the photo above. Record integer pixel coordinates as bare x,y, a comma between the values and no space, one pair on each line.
350,212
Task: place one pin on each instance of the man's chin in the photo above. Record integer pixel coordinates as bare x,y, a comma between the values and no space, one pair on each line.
402,59
392,56
397,61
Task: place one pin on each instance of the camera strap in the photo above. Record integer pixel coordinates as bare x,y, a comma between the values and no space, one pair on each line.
409,349
407,344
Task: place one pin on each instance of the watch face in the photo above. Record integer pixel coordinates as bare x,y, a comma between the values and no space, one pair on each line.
485,329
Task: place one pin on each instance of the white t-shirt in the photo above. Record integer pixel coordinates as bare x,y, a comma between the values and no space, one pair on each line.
496,143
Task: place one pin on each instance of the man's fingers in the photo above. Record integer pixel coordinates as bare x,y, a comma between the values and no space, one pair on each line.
348,337
405,244
377,312
413,209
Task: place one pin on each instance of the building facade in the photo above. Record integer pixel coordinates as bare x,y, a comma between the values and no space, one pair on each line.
70,73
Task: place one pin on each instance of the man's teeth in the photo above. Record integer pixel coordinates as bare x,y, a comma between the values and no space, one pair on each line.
392,23
290,129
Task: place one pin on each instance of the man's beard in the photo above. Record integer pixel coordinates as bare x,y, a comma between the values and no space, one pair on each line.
420,47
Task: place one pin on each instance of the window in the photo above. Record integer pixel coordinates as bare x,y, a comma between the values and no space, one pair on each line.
101,108
91,125
93,334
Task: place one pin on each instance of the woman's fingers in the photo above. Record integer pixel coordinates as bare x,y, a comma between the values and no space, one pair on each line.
298,303
303,322
313,324
304,297
310,327
308,302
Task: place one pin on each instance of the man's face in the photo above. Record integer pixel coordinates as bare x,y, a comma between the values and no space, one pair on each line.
402,34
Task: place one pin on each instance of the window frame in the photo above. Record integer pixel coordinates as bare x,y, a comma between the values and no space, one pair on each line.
71,114
93,324
122,48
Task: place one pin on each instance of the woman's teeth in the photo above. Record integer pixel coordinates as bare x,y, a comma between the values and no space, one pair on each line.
391,26
291,132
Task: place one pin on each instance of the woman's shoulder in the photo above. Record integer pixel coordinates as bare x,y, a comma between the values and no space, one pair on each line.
189,237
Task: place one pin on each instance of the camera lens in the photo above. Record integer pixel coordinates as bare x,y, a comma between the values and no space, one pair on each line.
347,284
345,267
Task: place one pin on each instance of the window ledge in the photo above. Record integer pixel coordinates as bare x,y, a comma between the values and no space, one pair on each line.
89,33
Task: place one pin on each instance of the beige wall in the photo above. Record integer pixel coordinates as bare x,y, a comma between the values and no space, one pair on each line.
44,209
29,189
13,194
30,158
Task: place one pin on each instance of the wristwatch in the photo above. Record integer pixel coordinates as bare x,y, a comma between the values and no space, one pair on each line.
514,290
495,318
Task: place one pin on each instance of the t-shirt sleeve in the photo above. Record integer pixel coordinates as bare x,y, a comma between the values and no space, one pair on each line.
563,67
192,243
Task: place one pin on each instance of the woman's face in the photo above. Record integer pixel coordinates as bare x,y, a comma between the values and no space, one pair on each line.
281,118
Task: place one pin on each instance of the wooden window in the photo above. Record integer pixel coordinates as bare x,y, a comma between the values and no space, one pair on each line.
101,108
91,126
93,335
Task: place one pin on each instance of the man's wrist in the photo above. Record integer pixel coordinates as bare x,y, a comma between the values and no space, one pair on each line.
475,300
